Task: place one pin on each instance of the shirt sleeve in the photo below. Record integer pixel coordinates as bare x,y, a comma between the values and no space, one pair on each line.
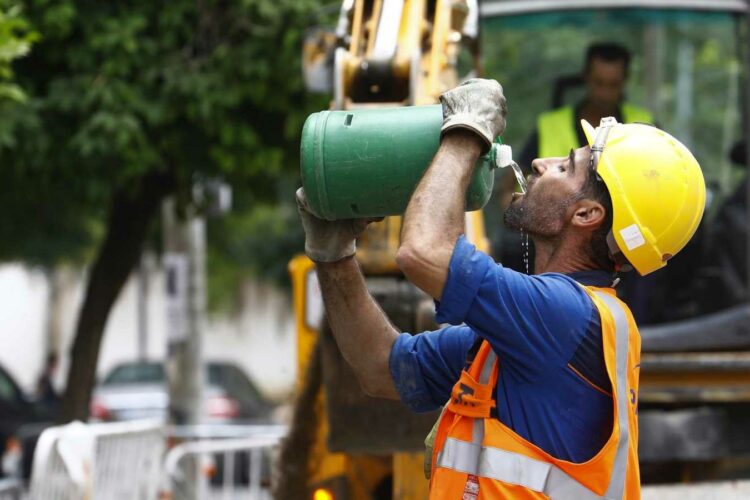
425,367
534,323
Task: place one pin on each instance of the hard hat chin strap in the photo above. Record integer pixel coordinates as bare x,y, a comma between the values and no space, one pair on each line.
597,148
621,262
602,133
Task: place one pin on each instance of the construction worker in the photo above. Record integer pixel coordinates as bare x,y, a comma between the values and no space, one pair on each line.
605,73
538,375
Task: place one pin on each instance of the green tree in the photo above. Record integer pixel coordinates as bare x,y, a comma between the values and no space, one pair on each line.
16,38
130,102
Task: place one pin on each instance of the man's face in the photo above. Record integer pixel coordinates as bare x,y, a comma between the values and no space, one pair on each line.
552,188
605,84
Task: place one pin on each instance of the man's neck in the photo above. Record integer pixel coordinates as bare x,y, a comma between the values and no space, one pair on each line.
560,255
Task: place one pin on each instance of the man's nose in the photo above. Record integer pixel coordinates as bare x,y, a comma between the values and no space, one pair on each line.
539,166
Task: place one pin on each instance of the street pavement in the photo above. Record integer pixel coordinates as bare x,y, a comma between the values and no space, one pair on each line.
725,490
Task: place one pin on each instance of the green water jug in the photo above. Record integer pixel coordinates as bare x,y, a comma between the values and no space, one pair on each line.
367,162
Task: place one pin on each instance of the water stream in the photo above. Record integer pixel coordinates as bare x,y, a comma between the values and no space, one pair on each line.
525,247
524,235
519,176
504,159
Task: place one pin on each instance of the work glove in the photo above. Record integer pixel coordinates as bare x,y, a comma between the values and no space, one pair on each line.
328,241
477,105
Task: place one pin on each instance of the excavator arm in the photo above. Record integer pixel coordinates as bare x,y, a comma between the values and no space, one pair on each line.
382,53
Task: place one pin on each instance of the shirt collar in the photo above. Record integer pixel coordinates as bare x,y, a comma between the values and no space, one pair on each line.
595,278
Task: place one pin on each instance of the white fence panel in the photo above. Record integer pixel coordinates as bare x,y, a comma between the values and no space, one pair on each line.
224,448
11,489
113,461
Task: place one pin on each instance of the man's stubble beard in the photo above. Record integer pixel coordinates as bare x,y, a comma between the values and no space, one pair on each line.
535,218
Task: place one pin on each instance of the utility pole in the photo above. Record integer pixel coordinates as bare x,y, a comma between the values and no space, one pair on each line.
56,283
142,296
184,263
185,267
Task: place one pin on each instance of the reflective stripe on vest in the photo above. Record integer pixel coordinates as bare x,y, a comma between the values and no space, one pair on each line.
622,337
557,135
537,475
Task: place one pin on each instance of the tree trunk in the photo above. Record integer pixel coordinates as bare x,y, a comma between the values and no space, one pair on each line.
130,215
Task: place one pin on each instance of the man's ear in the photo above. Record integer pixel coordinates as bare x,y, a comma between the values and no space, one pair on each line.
588,214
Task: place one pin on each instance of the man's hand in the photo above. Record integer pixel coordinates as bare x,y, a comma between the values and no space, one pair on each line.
477,105
328,241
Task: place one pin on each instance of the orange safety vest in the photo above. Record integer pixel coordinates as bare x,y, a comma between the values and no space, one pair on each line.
477,457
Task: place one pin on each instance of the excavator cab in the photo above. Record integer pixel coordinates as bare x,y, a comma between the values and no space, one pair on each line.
687,69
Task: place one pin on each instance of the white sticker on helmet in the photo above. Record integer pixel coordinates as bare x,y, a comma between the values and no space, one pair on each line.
633,237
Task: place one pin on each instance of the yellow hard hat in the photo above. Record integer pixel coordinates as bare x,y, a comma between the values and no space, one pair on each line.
657,190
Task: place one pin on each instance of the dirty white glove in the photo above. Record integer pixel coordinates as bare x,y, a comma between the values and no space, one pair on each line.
477,105
328,241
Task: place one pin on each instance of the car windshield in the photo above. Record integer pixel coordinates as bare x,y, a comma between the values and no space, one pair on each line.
226,376
140,373
233,380
8,389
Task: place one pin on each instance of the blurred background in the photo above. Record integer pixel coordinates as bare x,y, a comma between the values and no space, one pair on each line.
149,154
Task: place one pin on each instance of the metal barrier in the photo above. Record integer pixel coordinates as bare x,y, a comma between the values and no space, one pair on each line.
110,461
210,463
11,489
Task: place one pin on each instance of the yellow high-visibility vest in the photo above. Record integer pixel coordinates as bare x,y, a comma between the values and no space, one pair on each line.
557,135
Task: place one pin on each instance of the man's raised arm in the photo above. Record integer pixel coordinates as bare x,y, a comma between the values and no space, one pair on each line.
473,115
363,332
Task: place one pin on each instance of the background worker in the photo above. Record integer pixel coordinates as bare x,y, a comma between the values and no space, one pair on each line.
45,390
605,73
548,405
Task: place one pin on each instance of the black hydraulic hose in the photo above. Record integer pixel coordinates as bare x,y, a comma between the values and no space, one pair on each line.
292,474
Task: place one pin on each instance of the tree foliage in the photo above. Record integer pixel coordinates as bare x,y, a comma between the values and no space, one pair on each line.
119,89
16,38
129,102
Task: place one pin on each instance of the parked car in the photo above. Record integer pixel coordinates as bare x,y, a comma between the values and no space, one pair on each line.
138,389
19,414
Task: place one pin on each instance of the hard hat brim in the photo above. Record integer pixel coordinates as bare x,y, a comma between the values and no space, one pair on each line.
589,131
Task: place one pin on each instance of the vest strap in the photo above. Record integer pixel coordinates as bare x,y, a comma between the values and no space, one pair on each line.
489,363
473,395
616,487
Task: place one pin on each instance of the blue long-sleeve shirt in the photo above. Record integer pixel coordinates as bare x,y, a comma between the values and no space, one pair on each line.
552,386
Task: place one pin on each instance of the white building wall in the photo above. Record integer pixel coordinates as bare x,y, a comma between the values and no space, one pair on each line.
23,293
259,337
